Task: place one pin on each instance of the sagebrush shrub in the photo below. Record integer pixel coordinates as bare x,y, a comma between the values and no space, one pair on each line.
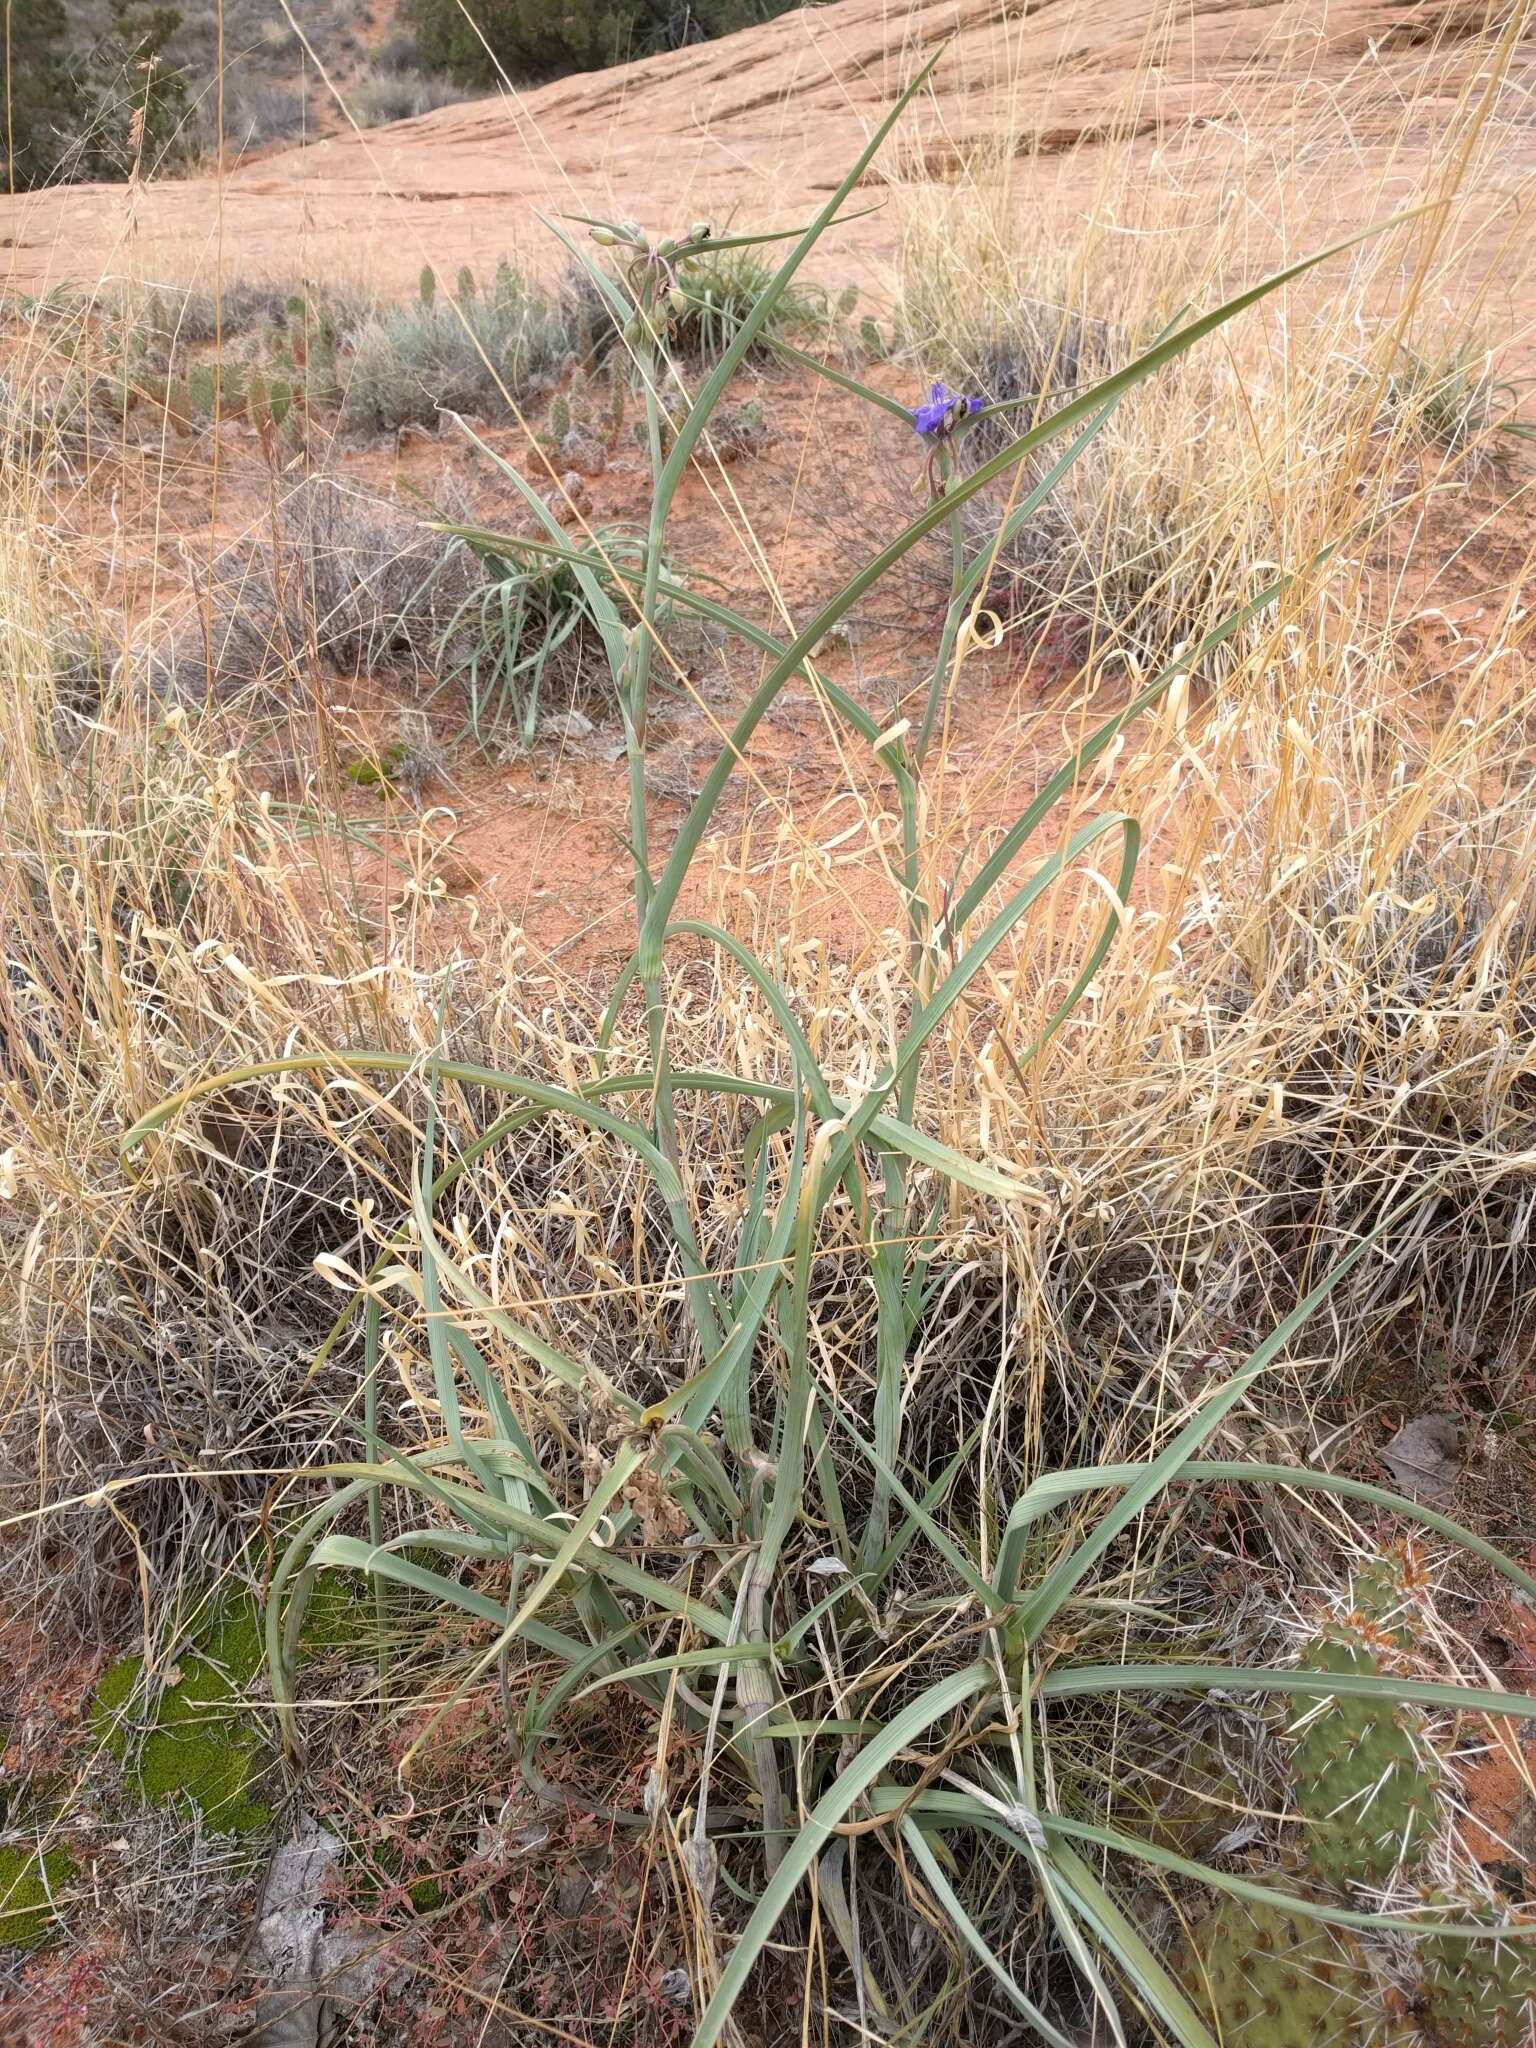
398,93
457,354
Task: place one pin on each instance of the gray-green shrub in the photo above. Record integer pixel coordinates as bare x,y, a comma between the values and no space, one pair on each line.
399,93
459,354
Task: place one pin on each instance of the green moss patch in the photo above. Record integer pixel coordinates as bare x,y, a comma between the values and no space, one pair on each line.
336,1617
29,1884
201,1739
377,771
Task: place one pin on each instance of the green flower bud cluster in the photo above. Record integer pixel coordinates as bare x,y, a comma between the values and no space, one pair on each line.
655,272
628,234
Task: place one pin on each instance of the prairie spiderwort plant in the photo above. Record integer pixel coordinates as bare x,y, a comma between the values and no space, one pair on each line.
940,422
805,1493
944,413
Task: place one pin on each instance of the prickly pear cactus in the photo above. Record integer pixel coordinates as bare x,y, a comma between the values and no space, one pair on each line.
614,420
1480,1994
1366,1781
1382,1594
1266,1978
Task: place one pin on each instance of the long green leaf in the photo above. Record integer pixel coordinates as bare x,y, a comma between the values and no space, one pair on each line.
1052,1488
716,243
960,977
347,1553
953,1556
706,1659
1140,1966
850,1783
444,1380
1078,1681
541,1093
713,387
533,1530
1298,1902
577,1540
844,382
1067,1574
965,1927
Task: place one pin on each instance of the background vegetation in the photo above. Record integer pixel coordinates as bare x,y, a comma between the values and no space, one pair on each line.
101,88
522,39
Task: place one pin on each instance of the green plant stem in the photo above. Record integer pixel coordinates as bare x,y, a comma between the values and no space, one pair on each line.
634,698
892,1328
953,613
372,1317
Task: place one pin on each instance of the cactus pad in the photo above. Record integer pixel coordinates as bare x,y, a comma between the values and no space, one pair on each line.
1267,1978
1366,1781
1480,1994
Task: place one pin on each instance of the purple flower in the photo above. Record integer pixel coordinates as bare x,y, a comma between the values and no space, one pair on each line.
945,409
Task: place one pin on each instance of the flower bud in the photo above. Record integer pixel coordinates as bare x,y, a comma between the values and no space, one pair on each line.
700,231
605,238
632,231
666,245
678,299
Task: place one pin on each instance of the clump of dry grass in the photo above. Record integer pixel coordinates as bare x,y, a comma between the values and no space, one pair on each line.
1307,423
342,577
172,1339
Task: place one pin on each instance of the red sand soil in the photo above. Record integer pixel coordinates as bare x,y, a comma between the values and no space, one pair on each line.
760,126
540,839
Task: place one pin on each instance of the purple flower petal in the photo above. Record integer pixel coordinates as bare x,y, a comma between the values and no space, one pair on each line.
943,412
